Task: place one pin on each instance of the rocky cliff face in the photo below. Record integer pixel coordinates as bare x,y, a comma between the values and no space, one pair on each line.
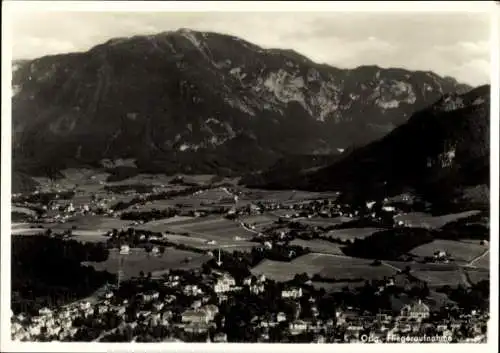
441,149
204,102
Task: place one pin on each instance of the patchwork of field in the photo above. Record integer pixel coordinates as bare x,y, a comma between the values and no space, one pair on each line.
138,260
215,228
424,220
328,266
461,252
203,233
320,246
351,233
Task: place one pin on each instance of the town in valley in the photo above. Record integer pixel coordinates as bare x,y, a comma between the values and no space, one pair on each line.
200,259
315,177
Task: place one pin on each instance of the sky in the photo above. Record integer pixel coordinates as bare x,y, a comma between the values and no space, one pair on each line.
450,44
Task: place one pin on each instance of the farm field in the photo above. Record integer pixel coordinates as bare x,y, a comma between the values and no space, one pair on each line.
26,231
351,233
477,275
97,223
319,245
215,228
24,210
424,220
213,195
202,243
482,262
84,236
161,225
84,225
260,221
438,277
414,266
138,260
329,266
461,252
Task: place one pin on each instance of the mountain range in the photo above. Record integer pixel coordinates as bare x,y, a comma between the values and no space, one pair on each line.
200,102
440,152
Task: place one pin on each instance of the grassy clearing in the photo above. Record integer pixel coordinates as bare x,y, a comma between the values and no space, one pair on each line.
162,225
477,275
424,220
203,242
138,260
213,228
318,245
483,262
97,223
460,251
328,266
437,277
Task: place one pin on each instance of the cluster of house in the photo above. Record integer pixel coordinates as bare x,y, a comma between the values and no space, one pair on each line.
198,316
49,323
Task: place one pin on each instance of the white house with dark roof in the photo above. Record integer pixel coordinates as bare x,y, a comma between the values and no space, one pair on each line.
417,311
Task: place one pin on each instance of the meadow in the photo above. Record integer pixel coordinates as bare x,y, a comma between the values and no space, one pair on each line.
330,287
461,252
320,246
138,260
212,228
95,223
424,220
476,275
438,277
327,266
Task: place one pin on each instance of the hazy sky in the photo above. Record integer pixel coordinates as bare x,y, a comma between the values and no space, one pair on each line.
453,44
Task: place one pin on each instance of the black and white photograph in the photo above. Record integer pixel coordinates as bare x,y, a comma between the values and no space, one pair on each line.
203,173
